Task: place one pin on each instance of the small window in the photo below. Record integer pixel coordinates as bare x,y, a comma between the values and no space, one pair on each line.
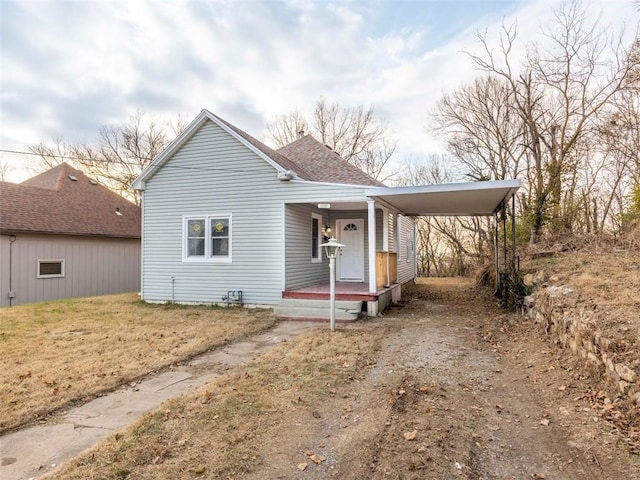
207,238
50,269
316,226
350,227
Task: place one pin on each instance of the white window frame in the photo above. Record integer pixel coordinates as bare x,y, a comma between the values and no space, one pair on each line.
207,258
56,275
318,258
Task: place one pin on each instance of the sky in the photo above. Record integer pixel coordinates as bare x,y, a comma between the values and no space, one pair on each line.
69,67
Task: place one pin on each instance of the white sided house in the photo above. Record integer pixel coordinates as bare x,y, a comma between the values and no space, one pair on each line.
226,219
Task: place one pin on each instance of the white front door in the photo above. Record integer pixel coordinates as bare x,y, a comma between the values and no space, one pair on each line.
351,260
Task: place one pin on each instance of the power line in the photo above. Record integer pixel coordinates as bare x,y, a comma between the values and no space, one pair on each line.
133,164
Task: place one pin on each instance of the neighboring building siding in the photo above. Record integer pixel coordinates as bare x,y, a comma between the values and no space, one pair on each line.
93,266
215,173
300,271
406,261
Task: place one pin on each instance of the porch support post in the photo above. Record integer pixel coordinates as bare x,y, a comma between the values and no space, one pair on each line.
371,228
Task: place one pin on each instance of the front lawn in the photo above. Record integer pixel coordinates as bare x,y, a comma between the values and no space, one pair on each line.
57,353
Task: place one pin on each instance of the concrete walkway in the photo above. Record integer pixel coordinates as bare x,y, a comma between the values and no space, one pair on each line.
29,453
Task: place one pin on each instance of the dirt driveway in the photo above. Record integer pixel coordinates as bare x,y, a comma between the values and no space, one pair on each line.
446,387
460,390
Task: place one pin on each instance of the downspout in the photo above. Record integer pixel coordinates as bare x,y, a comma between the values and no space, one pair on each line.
12,238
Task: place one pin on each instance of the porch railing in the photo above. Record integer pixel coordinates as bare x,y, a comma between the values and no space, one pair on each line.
386,268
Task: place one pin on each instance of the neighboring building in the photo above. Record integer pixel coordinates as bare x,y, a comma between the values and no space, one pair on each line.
223,213
63,235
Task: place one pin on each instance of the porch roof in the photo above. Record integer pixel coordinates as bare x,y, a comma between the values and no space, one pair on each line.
448,199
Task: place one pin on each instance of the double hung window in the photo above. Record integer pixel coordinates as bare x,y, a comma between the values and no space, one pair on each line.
207,238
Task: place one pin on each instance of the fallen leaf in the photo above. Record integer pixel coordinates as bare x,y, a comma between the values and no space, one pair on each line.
315,414
544,421
302,466
317,458
562,388
538,475
410,435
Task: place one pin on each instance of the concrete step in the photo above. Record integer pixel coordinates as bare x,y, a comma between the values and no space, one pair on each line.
315,303
317,309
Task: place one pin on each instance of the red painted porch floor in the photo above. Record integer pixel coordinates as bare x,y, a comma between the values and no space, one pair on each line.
344,291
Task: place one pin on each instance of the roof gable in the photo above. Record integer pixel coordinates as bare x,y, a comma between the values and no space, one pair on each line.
65,201
304,159
273,158
323,164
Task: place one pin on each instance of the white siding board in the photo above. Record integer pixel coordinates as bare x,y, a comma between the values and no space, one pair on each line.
406,266
215,173
300,271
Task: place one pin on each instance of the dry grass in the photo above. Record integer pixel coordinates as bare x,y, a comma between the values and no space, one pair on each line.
608,277
218,431
57,353
608,282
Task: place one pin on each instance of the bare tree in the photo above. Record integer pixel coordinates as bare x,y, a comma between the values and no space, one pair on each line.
354,133
447,246
118,155
483,131
5,168
536,115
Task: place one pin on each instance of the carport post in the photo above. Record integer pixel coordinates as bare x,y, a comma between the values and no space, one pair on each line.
513,234
496,243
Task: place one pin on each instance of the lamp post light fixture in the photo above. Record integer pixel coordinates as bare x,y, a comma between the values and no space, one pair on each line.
332,248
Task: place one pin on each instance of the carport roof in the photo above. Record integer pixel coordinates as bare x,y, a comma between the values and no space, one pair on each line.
448,199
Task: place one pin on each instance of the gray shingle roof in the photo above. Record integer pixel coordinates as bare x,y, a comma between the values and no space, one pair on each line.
54,203
321,164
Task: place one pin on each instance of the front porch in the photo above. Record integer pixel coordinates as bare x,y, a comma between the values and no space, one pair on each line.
353,299
351,291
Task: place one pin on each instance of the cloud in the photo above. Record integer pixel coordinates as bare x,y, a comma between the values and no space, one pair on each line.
69,67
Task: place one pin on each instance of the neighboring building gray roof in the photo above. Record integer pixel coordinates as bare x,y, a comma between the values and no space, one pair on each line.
65,201
322,164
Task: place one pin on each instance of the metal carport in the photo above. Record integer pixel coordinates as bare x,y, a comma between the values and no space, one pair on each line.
486,198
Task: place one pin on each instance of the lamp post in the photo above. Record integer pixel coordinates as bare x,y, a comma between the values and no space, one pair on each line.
331,248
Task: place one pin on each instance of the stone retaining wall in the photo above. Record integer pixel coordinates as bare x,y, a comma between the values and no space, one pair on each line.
570,321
